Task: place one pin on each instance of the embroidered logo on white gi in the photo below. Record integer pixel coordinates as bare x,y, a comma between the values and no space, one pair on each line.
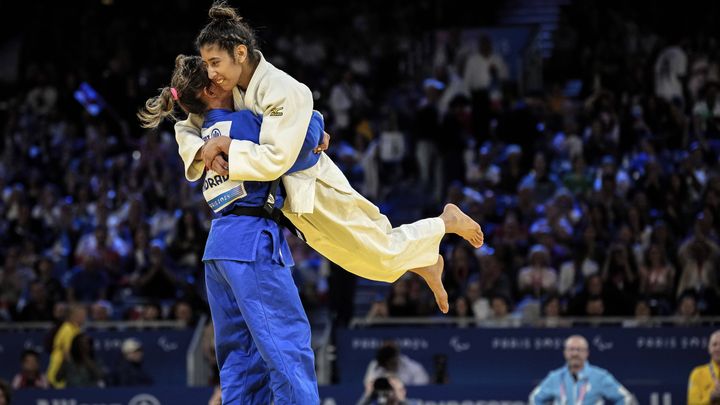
221,128
276,112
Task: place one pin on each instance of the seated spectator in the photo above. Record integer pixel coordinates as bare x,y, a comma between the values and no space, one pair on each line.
399,302
183,312
89,282
390,362
595,306
593,288
461,267
501,307
461,309
493,279
101,311
620,282
479,305
573,273
30,375
643,312
38,308
698,258
551,312
151,311
156,280
657,275
687,309
129,371
80,369
538,278
378,309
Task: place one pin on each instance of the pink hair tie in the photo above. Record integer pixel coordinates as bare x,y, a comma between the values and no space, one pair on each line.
173,90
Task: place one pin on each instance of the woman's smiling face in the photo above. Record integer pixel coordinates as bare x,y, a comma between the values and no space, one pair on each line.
222,67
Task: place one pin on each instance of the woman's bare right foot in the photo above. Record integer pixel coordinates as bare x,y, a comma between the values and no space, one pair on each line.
459,223
433,277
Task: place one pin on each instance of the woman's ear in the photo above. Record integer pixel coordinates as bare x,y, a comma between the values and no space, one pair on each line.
208,92
241,53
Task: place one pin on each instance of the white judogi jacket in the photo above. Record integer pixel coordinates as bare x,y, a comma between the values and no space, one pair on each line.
286,106
337,221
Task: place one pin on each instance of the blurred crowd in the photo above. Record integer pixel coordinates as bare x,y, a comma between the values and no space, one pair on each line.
598,193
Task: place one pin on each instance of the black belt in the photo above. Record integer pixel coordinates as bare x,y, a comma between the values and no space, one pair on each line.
268,211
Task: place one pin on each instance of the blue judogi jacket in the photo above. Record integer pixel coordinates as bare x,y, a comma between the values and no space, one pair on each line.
593,385
235,237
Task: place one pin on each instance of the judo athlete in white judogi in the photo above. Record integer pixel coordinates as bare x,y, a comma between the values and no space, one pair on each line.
336,220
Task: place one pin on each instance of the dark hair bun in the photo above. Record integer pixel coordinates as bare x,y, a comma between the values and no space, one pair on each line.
220,11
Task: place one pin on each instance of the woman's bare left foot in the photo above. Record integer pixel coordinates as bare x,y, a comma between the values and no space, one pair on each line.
433,277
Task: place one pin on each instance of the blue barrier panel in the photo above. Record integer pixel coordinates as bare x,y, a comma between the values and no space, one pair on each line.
650,357
479,394
165,351
114,396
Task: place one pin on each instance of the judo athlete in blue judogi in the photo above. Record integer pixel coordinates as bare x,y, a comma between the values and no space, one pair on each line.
262,335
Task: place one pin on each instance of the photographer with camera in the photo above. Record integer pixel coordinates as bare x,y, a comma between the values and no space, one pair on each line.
384,391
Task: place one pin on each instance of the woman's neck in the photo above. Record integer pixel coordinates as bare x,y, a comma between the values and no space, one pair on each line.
247,74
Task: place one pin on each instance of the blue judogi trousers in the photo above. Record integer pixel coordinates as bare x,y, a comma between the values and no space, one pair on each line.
262,335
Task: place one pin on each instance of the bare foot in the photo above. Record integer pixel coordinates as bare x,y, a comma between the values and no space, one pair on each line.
459,223
433,277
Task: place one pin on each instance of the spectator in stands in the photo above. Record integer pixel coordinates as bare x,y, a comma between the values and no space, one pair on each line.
152,311
703,385
183,312
501,317
62,343
579,382
537,279
484,73
551,312
30,375
5,393
101,311
80,369
156,280
38,308
697,260
378,309
390,362
620,281
657,275
595,306
89,281
687,308
427,133
129,371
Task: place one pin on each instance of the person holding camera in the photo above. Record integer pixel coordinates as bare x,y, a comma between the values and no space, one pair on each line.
386,390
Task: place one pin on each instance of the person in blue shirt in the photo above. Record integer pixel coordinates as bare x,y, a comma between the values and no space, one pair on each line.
262,335
579,382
